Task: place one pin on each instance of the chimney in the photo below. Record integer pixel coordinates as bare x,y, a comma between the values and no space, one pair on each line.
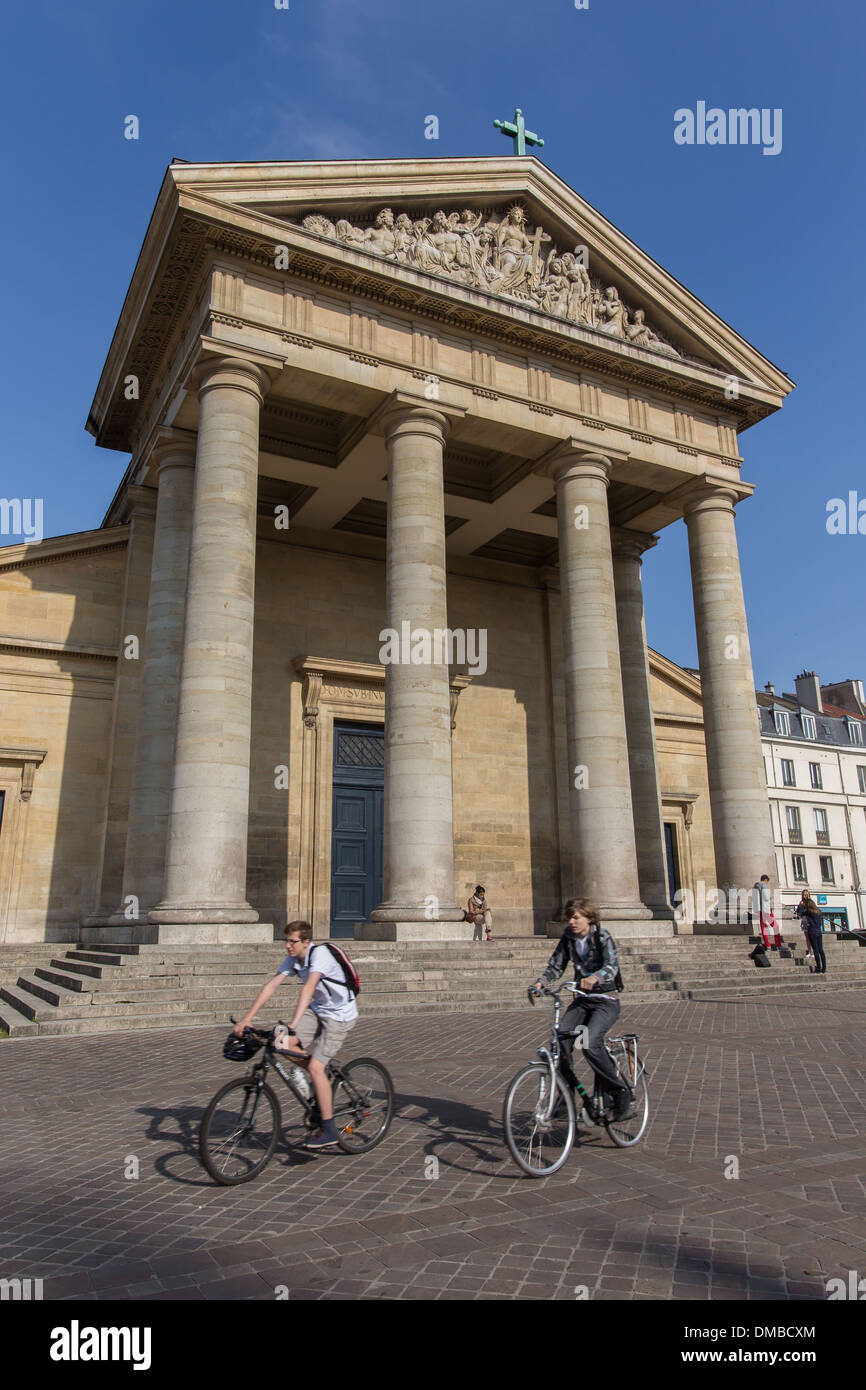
769,688
809,691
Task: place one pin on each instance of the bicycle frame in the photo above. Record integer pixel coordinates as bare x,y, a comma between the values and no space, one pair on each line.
621,1048
309,1104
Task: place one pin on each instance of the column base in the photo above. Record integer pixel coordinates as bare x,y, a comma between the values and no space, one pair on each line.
430,910
423,930
169,914
622,930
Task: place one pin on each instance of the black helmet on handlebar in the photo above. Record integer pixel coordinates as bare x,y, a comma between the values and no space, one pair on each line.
241,1049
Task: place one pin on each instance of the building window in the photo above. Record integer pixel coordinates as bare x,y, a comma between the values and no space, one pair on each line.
815,776
821,830
808,722
861,778
795,833
788,778
782,722
798,867
826,861
855,731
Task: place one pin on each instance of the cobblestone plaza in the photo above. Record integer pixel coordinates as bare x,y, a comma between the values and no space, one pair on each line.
776,1086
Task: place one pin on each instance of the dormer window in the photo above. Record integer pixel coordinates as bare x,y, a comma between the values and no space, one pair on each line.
809,729
855,731
782,722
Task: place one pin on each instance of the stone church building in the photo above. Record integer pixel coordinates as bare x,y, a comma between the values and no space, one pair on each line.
363,625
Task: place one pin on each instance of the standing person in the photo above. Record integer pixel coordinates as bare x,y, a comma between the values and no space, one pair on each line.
324,1016
813,923
800,911
762,909
479,913
592,952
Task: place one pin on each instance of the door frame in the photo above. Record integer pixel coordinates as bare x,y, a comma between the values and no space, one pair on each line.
340,725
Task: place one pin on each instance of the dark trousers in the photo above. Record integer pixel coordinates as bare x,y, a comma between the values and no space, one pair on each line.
597,1015
816,941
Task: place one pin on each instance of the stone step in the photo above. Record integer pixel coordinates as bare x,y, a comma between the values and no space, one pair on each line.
63,977
13,1022
52,994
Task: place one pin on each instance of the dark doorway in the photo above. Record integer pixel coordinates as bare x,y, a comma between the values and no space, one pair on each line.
672,860
356,834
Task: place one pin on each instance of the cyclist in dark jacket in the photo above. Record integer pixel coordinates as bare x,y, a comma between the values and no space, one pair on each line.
812,921
592,952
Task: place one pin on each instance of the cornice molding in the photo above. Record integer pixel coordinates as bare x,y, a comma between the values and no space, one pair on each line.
63,548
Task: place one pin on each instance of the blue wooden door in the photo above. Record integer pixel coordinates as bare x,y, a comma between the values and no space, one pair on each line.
356,826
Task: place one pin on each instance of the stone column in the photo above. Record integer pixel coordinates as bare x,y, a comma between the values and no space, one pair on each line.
604,855
628,547
138,514
206,856
150,798
419,836
738,800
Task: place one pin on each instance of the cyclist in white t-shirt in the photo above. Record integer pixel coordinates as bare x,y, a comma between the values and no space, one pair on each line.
324,1016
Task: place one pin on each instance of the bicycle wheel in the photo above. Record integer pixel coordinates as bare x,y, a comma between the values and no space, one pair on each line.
363,1105
239,1132
538,1147
631,1130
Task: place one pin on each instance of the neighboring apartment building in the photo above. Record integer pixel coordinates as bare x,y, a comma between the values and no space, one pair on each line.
814,745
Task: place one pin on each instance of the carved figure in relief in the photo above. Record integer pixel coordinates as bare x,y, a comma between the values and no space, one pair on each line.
404,239
554,291
495,252
579,304
379,238
612,314
639,334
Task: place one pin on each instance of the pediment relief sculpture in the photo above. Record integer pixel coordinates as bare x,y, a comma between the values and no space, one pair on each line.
497,253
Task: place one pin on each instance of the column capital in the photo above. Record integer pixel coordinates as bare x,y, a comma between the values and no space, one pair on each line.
406,413
570,458
630,544
237,373
138,503
173,449
708,494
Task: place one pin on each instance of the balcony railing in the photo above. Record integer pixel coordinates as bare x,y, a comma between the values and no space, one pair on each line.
822,837
795,837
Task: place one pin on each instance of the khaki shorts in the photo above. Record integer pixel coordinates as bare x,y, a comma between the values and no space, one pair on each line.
323,1037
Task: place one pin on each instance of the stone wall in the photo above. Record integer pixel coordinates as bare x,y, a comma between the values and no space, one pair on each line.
56,696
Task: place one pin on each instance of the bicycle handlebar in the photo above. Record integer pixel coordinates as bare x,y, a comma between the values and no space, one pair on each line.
265,1032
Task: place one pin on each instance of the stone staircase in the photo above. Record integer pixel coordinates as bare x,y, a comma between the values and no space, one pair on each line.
46,990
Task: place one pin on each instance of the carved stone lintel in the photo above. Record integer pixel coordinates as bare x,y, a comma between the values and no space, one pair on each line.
28,759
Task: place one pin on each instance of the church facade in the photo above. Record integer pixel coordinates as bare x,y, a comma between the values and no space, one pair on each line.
363,625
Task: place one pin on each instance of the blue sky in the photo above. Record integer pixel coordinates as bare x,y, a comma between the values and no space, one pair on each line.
773,244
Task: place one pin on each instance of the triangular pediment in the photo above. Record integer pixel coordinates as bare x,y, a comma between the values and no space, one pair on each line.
508,229
499,246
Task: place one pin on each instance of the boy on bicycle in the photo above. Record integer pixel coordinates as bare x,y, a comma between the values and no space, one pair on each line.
592,952
324,1016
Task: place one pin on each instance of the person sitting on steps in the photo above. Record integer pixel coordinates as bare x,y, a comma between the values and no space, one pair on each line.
325,1014
479,913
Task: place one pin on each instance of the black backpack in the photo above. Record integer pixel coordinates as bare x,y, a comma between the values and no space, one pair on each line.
349,977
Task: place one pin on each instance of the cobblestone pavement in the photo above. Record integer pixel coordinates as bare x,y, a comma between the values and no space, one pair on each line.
779,1086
